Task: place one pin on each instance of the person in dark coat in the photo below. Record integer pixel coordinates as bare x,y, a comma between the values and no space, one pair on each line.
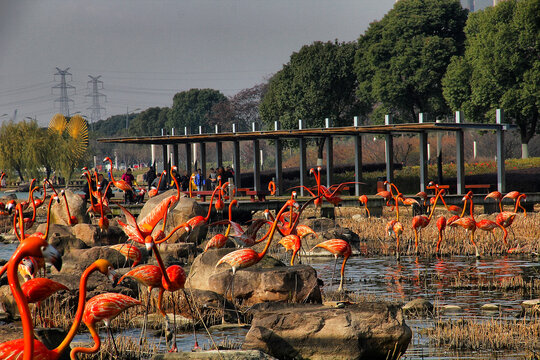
150,176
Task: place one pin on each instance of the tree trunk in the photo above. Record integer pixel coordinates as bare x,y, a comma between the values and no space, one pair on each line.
524,151
20,174
320,150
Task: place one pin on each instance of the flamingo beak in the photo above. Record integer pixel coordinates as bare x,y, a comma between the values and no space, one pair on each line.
52,256
113,277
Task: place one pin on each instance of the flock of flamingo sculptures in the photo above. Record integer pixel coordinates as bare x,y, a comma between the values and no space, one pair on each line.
34,250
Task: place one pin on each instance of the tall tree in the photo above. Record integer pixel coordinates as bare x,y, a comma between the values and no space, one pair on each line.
15,150
500,67
318,82
149,122
401,59
193,108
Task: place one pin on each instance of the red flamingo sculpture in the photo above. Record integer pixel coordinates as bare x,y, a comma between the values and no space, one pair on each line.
337,247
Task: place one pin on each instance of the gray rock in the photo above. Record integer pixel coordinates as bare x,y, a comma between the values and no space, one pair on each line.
490,307
269,280
303,331
418,306
61,237
77,208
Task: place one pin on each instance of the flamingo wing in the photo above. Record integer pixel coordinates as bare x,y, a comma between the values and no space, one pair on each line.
131,232
150,221
106,307
39,289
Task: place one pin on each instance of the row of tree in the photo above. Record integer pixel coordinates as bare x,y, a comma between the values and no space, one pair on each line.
428,56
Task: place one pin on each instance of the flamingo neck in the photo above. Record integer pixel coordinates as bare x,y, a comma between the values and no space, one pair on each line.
434,205
464,207
112,176
175,184
210,205
271,234
517,203
80,310
44,193
33,205
89,179
22,304
471,208
159,182
67,206
161,265
48,218
397,205
90,350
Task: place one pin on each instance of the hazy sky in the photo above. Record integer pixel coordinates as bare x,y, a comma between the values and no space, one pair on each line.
147,50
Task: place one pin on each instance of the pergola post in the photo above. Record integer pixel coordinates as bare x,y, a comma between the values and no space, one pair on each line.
219,150
357,159
389,151
188,155
236,160
329,156
279,161
256,161
165,163
302,163
501,173
202,146
423,154
460,156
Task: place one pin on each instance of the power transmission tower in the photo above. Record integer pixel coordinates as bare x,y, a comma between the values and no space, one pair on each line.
96,95
64,100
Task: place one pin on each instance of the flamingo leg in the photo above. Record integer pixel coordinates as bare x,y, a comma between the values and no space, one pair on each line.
110,334
475,246
143,330
416,240
196,346
397,247
225,299
333,272
234,302
439,242
174,348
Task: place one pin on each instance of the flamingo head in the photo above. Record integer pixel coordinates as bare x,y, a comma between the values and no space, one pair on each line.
27,268
10,206
319,168
187,227
311,171
466,197
107,269
267,214
294,195
363,199
107,159
149,243
422,194
37,246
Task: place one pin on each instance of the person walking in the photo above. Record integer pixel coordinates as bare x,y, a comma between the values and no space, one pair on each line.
128,178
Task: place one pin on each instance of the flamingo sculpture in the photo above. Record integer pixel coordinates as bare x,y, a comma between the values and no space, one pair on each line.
485,224
337,247
219,240
441,225
291,242
130,251
149,276
517,196
34,246
120,184
244,258
37,290
154,192
72,220
394,227
364,200
420,221
104,307
202,220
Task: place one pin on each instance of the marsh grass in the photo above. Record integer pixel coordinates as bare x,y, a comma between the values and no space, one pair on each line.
492,334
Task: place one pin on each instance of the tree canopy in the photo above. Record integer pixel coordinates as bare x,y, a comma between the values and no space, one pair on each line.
401,58
193,109
149,122
318,82
500,67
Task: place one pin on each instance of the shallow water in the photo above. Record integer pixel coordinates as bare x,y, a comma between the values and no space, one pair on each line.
386,279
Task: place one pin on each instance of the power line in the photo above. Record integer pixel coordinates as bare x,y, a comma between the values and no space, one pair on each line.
64,100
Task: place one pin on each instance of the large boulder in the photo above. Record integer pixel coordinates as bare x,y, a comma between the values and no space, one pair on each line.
185,209
61,237
269,280
305,331
79,259
92,235
77,208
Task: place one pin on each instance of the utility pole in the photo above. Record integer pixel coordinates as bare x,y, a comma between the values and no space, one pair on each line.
64,100
96,95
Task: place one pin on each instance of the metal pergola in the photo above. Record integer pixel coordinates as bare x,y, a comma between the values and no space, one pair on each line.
422,128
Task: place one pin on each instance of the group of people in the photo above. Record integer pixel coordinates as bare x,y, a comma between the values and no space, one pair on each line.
198,182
